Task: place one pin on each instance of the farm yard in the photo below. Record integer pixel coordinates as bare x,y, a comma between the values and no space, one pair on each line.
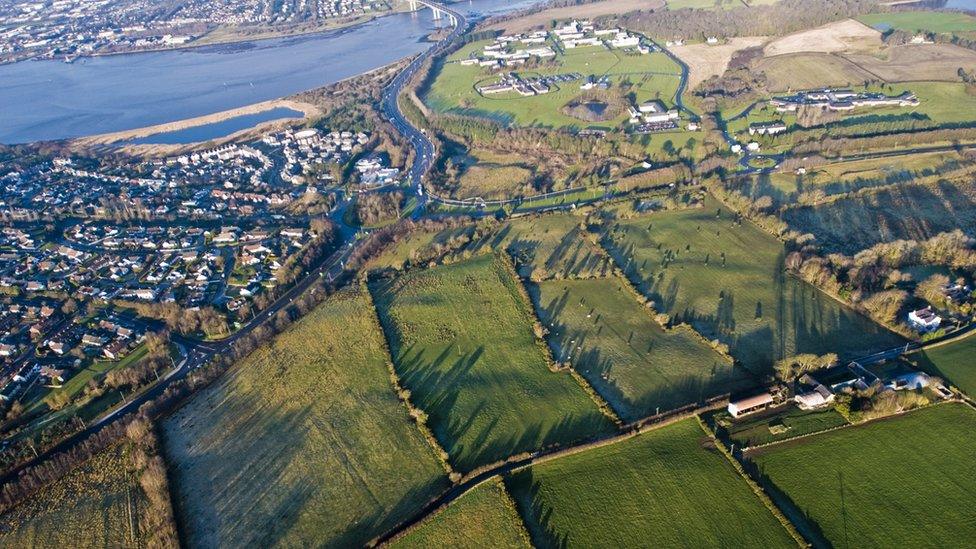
725,277
483,517
665,488
96,505
650,76
305,439
639,368
462,340
878,215
905,481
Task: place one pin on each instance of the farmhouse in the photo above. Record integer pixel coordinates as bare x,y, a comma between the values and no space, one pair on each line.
749,405
818,397
911,381
924,320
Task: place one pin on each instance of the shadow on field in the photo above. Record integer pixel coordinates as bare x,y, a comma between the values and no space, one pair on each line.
596,365
536,513
436,387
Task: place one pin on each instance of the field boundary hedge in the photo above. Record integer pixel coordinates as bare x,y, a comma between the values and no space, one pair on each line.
539,331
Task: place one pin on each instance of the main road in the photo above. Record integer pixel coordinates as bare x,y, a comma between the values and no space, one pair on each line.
422,145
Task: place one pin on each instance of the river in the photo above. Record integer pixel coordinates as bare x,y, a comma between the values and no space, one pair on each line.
46,100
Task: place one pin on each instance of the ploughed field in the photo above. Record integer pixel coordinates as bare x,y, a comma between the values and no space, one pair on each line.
96,505
665,488
600,328
462,341
726,278
483,517
305,439
905,481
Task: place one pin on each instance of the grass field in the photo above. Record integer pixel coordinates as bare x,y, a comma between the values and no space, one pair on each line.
462,340
852,224
907,481
454,90
915,21
599,327
842,177
665,488
90,507
917,62
553,245
483,517
727,280
810,70
953,361
304,439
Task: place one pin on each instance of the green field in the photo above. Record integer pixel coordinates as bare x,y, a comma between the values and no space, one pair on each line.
638,367
915,21
551,246
483,517
462,340
744,299
303,440
954,361
651,76
906,481
665,488
90,507
853,224
842,177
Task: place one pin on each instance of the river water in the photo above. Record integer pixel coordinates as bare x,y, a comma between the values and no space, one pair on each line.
44,100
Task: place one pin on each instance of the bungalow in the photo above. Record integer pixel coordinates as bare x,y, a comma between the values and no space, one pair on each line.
749,405
767,128
924,320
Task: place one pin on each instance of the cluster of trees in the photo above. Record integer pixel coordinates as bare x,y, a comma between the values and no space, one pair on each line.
298,263
761,20
184,321
790,368
872,278
156,520
373,208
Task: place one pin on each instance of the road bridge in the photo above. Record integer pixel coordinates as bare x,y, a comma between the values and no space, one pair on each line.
438,10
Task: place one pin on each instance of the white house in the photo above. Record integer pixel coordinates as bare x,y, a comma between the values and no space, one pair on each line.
924,320
820,396
910,381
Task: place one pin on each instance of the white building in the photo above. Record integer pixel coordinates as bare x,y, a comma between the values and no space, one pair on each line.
924,320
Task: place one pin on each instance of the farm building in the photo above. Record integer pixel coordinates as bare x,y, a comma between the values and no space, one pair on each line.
749,405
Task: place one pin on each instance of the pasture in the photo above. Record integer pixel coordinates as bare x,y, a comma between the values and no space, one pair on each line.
96,505
852,224
651,76
665,488
639,368
726,278
483,517
551,246
916,62
956,362
916,21
905,481
849,176
810,70
461,337
304,439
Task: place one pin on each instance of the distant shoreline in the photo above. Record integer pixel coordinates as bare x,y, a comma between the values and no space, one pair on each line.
113,138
